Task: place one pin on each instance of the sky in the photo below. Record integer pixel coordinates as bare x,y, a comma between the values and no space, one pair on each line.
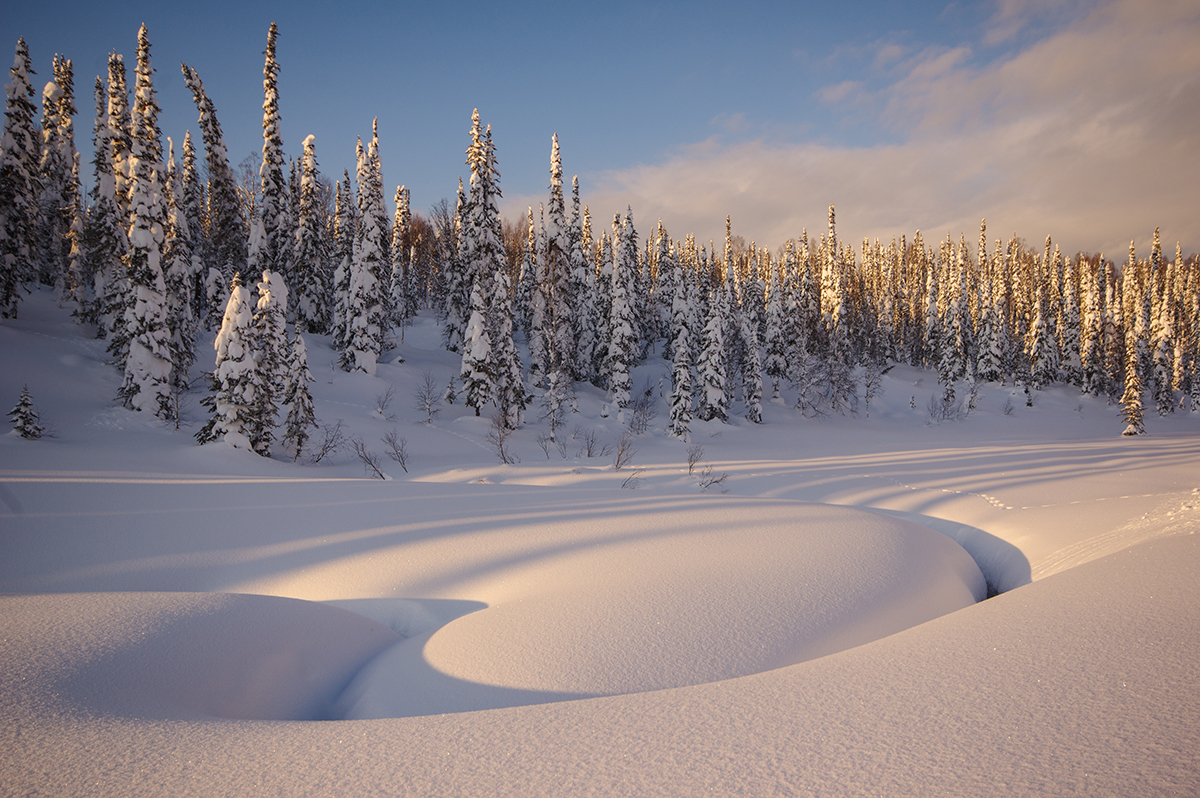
1078,120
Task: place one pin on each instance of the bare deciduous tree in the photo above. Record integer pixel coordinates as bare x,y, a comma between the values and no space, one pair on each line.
397,449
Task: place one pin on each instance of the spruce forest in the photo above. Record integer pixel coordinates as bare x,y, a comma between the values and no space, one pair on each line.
165,244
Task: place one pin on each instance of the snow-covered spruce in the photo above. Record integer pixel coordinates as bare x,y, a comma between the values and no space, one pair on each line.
296,396
236,380
25,420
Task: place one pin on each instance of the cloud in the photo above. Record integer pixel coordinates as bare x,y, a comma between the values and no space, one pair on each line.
1090,134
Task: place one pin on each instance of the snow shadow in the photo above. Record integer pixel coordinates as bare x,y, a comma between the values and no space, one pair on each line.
1003,565
409,617
232,656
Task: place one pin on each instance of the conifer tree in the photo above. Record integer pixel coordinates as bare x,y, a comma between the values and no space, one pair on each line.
1132,412
269,341
683,320
177,276
511,397
227,235
622,342
664,288
751,370
776,345
580,287
236,378
990,366
56,158
713,397
19,185
300,417
484,258
149,360
457,279
403,301
603,315
476,373
539,323
344,225
106,241
277,248
24,418
1162,331
366,314
120,130
560,338
527,278
1092,350
192,209
1070,332
309,256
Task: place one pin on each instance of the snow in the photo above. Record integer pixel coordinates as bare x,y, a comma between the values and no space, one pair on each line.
185,620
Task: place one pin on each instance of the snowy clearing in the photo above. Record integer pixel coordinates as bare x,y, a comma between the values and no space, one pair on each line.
176,615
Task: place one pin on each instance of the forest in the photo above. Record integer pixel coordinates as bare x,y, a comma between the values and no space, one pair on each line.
161,248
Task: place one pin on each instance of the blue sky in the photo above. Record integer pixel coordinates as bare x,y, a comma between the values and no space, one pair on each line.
1053,117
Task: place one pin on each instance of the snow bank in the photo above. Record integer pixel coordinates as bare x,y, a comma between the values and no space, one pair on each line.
186,655
636,601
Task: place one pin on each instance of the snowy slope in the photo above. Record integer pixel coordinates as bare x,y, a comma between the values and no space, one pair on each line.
586,638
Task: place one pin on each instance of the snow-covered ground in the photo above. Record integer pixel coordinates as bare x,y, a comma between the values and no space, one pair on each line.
187,620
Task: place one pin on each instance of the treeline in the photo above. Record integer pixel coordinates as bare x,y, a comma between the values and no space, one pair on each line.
158,249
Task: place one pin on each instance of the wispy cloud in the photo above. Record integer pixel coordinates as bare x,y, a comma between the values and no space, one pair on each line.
1090,134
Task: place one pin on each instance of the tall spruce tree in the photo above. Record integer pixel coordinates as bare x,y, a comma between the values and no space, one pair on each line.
622,329
714,403
683,320
150,359
236,377
400,288
271,353
227,250
308,278
277,247
106,241
366,312
19,185
58,191
296,396
177,276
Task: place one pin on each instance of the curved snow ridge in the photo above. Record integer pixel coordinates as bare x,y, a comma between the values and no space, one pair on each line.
184,655
656,602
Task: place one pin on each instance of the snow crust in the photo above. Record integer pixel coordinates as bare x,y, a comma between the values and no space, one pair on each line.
176,617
